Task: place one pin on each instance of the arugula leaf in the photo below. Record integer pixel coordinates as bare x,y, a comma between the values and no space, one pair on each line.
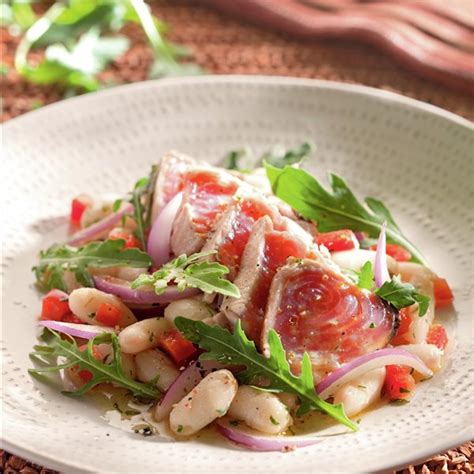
365,278
236,349
23,14
58,259
190,272
101,372
141,186
280,157
401,295
335,210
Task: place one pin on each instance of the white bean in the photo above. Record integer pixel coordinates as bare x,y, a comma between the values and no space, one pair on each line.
361,393
152,364
428,353
128,365
262,411
190,308
356,258
84,303
143,335
210,399
124,273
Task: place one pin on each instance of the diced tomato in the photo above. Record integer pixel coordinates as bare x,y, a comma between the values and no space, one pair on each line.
78,206
399,253
55,306
442,292
108,314
130,240
85,374
71,318
177,347
437,336
403,328
399,384
338,240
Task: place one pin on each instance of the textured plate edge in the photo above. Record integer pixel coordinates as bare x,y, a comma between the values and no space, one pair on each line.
372,92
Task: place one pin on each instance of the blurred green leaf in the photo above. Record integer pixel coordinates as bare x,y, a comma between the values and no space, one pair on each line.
23,14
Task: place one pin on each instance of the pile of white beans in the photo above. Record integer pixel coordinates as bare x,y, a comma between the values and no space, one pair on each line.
218,394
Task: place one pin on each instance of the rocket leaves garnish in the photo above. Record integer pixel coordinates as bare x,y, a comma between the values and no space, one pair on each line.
61,258
335,209
112,372
365,278
401,295
190,272
236,349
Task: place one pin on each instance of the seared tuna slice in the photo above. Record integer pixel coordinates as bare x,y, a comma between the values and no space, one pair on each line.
266,251
315,309
207,194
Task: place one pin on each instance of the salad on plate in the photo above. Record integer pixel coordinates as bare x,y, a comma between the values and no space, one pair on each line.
249,300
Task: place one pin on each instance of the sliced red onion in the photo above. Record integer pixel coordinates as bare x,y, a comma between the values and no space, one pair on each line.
256,442
97,230
121,288
183,384
159,240
380,264
374,360
85,331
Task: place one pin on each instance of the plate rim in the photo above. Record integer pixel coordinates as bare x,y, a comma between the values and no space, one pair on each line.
378,95
357,89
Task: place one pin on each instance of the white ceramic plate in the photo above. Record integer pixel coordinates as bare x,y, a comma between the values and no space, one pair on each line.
415,157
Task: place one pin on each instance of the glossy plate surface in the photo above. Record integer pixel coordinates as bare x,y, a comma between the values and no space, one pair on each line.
418,159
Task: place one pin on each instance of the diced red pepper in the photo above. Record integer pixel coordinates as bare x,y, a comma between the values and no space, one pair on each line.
130,240
108,314
403,328
399,384
442,293
84,374
55,305
177,347
437,336
78,206
338,240
399,253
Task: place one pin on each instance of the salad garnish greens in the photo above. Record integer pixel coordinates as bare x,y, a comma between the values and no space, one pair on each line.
401,295
339,209
245,159
80,39
190,272
395,292
58,259
236,349
100,372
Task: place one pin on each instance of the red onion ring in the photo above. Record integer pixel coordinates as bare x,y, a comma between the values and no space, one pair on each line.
183,384
97,230
121,288
159,240
366,362
84,331
264,443
381,274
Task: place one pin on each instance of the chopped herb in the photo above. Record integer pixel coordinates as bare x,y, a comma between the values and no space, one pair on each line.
365,278
371,325
221,412
234,422
361,386
274,422
404,390
180,428
91,315
400,401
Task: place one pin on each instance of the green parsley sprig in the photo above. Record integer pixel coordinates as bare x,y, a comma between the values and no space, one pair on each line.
190,272
236,349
